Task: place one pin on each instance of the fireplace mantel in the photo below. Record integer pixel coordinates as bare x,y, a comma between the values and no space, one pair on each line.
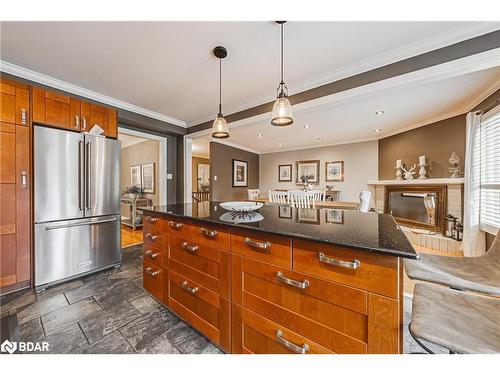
428,181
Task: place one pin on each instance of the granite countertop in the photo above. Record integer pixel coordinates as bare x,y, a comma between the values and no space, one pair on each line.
367,231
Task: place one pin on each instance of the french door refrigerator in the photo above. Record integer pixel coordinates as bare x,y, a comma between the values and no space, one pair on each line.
77,204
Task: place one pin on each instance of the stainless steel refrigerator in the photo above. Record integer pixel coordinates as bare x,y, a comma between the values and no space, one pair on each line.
77,204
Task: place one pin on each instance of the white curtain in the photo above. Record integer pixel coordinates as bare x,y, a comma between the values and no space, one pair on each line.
474,241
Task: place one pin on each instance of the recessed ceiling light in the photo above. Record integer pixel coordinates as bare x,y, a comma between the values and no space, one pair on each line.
280,144
307,126
378,130
379,113
259,135
319,139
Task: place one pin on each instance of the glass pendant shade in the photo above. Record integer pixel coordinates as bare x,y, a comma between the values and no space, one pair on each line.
220,129
282,112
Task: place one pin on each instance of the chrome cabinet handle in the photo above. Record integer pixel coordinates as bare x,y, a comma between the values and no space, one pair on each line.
303,349
84,123
285,280
260,246
24,116
77,121
150,272
175,225
152,237
185,286
24,179
190,248
152,255
355,264
151,219
209,233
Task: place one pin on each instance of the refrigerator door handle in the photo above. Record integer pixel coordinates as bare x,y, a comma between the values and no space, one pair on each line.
52,227
87,176
80,175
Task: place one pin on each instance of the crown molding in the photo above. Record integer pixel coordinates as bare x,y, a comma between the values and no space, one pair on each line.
229,143
444,39
46,80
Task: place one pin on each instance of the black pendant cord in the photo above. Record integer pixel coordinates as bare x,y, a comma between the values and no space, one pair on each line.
282,63
220,88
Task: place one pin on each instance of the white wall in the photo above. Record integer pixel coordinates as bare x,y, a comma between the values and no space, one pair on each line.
360,164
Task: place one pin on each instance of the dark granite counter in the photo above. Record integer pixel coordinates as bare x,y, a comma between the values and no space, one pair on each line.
367,231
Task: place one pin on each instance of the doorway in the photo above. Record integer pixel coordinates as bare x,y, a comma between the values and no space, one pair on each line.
142,180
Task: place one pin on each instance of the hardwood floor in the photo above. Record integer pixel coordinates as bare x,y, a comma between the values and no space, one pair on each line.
131,237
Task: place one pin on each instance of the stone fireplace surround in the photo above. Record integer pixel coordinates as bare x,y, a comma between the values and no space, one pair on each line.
454,206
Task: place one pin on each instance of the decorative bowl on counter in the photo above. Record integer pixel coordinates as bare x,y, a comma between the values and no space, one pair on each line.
241,206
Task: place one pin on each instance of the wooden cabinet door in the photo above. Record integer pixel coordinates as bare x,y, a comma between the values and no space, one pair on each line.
51,108
98,115
15,262
14,103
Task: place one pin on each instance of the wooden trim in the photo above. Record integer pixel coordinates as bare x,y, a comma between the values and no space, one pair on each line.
441,209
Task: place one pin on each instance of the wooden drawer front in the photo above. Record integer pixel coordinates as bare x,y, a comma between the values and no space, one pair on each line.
375,273
153,279
156,239
201,308
153,223
255,334
199,277
179,227
153,255
215,236
269,248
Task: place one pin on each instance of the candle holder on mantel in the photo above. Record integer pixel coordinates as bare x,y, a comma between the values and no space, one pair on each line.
422,172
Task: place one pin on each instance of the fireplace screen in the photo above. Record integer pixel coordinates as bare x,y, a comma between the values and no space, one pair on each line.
419,208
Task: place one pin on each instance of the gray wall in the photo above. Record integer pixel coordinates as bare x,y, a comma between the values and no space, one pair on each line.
360,165
221,168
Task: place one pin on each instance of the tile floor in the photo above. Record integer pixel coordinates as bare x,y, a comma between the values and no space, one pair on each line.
110,312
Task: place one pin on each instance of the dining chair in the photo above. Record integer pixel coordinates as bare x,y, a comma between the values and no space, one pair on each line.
278,196
364,201
301,199
318,195
253,194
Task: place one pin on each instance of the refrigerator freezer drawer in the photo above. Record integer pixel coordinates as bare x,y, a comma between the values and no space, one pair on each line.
64,249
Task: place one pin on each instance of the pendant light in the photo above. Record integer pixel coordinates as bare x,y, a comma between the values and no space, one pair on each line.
220,129
282,109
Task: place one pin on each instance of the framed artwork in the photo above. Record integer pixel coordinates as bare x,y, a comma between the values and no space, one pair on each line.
148,178
334,216
135,176
284,212
308,215
240,173
284,173
334,171
307,169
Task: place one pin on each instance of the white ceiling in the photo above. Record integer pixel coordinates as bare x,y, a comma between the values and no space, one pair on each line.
353,120
167,67
130,140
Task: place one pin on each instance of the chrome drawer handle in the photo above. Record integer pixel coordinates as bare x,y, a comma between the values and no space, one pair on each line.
290,345
175,225
261,246
24,117
150,272
151,219
190,248
209,233
185,286
285,280
152,255
355,264
151,237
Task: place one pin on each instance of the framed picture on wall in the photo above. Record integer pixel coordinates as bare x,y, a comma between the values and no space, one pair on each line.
148,178
240,173
334,216
307,170
284,173
334,171
135,175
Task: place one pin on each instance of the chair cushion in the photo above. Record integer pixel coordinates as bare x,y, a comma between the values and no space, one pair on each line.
459,321
479,274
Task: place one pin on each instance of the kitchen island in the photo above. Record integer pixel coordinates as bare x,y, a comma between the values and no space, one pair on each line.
280,279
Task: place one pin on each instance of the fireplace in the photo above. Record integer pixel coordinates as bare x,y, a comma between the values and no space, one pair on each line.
418,206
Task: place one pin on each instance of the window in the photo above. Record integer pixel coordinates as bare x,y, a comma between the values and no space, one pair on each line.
489,214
